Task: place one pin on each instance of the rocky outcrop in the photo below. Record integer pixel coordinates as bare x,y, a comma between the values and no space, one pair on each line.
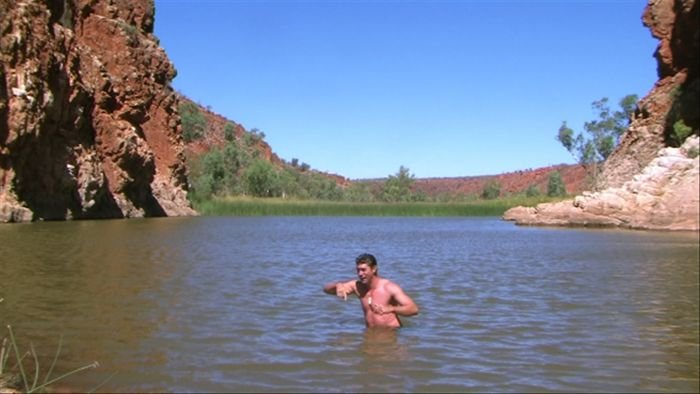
89,126
674,96
664,196
645,184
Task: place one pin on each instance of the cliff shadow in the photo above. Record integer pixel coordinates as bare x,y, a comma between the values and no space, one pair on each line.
45,183
45,160
4,113
141,195
684,116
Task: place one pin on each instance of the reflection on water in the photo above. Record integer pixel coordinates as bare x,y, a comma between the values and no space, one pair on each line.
381,345
235,304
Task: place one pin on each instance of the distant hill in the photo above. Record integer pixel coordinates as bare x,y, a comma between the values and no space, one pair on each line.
515,182
573,176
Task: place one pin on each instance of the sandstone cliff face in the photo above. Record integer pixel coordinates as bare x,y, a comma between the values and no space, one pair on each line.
644,184
88,122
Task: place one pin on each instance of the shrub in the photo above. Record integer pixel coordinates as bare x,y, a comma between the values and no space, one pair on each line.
693,153
193,122
532,191
555,186
261,179
492,190
229,131
680,132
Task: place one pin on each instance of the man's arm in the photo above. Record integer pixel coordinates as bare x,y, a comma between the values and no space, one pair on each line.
341,289
405,307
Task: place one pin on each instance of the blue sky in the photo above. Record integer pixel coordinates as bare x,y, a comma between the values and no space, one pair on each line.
446,88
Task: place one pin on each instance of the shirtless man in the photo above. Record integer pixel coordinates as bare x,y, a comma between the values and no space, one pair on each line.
382,300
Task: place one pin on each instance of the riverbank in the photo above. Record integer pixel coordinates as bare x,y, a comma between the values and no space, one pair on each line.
248,206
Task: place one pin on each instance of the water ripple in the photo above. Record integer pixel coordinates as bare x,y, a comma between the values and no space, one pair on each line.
235,304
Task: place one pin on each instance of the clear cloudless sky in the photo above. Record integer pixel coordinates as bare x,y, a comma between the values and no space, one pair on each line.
445,87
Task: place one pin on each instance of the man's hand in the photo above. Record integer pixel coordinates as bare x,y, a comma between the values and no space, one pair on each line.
342,290
381,309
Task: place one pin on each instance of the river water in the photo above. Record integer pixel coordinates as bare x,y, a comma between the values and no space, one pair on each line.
212,304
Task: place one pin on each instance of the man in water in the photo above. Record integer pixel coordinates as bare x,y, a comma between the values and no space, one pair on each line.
382,300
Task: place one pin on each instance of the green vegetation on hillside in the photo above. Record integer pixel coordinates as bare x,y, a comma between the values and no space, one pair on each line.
236,169
192,120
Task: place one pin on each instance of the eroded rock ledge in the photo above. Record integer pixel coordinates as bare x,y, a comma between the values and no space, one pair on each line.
664,196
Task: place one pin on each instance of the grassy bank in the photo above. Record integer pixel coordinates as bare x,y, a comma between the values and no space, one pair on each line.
246,206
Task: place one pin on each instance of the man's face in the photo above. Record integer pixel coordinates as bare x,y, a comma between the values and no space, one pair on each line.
365,273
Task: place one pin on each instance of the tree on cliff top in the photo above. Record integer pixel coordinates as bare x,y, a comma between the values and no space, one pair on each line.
603,134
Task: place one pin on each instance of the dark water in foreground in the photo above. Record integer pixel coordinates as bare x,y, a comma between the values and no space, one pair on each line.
235,304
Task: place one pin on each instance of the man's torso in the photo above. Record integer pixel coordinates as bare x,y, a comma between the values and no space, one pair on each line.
379,295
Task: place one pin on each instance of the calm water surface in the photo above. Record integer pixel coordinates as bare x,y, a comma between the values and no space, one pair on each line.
235,304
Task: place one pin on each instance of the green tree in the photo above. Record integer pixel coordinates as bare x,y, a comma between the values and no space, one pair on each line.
261,179
233,159
398,187
192,120
230,131
329,190
288,183
555,185
207,175
359,192
602,135
492,190
532,191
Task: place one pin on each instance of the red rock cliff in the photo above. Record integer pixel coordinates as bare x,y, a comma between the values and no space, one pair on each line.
88,121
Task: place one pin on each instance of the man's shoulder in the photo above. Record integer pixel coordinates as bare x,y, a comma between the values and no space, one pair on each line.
389,284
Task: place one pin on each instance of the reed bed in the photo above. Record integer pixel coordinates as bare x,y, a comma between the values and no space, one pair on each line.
247,206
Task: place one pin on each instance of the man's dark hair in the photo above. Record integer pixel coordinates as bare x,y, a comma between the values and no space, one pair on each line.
366,258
